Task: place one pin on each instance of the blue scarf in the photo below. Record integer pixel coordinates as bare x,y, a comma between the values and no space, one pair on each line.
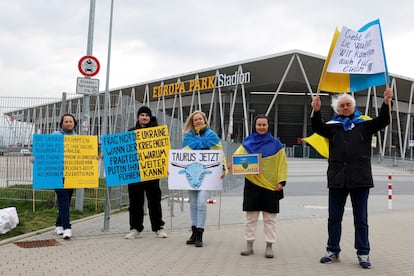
198,142
265,144
347,122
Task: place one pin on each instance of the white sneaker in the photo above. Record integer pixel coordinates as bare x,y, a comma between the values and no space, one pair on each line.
59,230
67,234
133,234
364,261
161,234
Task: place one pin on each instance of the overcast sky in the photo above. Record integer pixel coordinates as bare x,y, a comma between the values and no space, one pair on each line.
43,40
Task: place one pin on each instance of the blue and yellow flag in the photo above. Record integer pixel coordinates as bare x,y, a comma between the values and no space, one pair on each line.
208,141
355,62
274,163
321,144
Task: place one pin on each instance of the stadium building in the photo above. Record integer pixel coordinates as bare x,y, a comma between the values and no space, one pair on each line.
279,85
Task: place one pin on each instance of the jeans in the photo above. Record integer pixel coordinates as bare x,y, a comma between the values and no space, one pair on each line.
64,197
198,207
337,200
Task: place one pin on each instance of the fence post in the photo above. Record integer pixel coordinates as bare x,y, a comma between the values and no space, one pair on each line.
389,191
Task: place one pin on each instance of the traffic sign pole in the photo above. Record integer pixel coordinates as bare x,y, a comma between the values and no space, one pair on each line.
89,65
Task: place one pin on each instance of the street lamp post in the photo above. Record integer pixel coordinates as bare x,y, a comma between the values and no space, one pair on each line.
411,141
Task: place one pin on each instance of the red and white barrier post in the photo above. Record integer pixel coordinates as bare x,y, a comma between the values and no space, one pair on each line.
389,191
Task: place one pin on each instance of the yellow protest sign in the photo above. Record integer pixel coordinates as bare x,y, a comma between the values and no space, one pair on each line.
153,145
80,161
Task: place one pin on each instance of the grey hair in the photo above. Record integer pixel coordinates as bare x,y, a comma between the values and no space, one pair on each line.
336,100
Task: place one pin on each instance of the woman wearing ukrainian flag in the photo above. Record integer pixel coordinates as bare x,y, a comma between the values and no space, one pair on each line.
263,191
199,136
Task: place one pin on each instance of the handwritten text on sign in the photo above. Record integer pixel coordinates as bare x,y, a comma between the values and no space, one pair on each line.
136,156
153,145
81,161
120,158
195,170
358,52
48,161
65,161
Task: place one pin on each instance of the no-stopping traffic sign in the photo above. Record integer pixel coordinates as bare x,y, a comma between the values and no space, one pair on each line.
89,66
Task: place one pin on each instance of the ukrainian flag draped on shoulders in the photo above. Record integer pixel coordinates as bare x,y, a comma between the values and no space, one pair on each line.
321,144
274,164
203,139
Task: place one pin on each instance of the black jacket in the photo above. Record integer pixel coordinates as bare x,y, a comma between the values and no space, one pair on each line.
349,163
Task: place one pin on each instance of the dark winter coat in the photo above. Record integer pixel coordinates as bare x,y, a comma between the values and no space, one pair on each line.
349,163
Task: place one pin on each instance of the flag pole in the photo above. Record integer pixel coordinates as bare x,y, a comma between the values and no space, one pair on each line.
389,111
319,90
313,110
325,65
386,87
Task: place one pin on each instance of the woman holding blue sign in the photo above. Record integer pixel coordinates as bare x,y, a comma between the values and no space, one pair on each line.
263,191
199,136
67,126
150,188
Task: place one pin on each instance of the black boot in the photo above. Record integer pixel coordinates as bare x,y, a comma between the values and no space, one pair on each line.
192,239
199,237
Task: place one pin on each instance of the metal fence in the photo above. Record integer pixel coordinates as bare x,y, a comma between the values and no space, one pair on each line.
16,184
15,161
17,126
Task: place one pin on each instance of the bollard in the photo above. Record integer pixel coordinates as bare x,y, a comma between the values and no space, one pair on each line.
389,191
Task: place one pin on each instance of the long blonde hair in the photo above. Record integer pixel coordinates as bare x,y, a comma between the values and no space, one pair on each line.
188,126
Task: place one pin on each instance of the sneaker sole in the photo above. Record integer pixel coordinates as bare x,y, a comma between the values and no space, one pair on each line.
365,266
330,262
133,238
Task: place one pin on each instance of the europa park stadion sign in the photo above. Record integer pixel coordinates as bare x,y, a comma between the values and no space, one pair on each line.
88,66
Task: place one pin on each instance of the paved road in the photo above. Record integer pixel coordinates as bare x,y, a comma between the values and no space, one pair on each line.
301,231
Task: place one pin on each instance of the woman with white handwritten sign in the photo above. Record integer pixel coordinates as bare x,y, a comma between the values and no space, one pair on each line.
199,136
150,188
263,191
